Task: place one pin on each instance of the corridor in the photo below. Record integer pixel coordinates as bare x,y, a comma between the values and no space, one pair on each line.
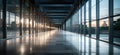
59,27
56,42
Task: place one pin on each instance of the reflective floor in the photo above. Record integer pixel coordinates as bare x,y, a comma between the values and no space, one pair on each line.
56,42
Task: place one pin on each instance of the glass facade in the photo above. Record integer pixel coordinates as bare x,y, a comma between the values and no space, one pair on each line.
104,29
104,8
21,19
116,7
95,20
12,18
116,22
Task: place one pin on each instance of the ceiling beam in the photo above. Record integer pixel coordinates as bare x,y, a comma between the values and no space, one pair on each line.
48,14
56,10
57,16
56,5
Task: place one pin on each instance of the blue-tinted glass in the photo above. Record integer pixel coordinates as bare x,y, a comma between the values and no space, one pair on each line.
93,3
116,7
12,20
80,16
93,13
83,14
75,18
87,12
68,25
104,8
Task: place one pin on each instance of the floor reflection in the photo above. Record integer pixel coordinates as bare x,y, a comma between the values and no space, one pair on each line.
56,43
88,46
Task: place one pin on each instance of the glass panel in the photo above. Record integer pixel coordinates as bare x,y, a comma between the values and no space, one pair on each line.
68,25
104,29
1,36
93,3
116,26
12,20
116,7
75,18
87,12
75,22
104,8
93,10
93,29
83,14
80,16
93,13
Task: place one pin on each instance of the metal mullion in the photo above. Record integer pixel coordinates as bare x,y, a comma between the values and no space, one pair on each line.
111,21
81,21
24,18
85,28
97,20
97,25
111,37
32,18
4,2
84,18
29,17
20,17
89,18
0,13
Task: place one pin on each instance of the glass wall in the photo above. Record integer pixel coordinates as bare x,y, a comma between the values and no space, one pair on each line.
116,22
104,23
93,9
87,19
104,8
93,29
75,22
104,29
1,19
22,19
116,7
80,21
68,25
12,20
99,24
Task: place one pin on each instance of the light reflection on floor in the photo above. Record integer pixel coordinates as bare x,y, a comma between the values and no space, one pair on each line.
89,46
56,43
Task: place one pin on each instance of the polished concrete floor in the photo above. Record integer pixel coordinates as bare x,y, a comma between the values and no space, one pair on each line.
56,42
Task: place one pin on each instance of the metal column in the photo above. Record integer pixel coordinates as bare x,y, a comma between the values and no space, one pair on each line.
4,19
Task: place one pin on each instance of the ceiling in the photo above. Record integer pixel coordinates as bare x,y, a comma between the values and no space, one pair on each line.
56,10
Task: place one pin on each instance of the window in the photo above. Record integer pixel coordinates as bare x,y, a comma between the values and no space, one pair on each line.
68,25
116,7
93,10
75,18
87,11
104,29
93,29
104,8
82,14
